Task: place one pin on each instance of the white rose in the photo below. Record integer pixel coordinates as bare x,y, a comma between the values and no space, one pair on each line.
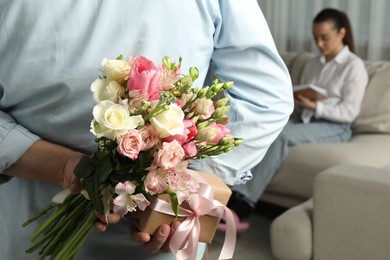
117,70
112,120
169,122
104,89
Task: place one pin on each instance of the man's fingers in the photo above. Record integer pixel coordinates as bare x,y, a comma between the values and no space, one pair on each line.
158,240
110,219
138,236
75,186
165,248
102,222
100,226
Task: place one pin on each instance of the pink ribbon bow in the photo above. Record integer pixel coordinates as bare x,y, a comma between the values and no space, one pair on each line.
201,203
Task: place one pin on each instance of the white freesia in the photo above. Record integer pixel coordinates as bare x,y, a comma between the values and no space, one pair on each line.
203,105
103,89
117,70
112,120
169,122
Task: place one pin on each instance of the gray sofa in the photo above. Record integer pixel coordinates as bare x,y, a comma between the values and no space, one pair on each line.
338,194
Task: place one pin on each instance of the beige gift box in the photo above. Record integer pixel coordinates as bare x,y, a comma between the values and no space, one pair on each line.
149,220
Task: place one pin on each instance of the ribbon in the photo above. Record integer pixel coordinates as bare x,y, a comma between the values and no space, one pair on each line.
201,203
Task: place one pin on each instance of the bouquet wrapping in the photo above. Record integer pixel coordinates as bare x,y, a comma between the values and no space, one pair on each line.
149,123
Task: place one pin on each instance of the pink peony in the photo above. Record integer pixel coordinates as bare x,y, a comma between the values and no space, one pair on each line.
169,155
130,144
155,181
144,79
150,137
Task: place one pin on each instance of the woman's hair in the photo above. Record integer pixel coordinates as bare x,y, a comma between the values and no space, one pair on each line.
340,20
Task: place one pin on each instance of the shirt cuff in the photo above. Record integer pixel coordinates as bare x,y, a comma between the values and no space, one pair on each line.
14,145
319,109
206,165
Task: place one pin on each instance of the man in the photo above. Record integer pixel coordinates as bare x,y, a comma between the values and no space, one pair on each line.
50,53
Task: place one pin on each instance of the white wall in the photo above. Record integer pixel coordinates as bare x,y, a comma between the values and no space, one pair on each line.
290,23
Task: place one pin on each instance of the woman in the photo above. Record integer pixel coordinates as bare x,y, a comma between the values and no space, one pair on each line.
338,71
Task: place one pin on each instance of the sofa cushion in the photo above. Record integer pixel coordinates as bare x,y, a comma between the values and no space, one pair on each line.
374,116
305,161
295,62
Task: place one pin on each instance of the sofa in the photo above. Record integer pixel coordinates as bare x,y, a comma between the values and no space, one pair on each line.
333,191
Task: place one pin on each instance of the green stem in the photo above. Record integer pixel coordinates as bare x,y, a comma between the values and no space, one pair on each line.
74,242
42,212
69,220
57,214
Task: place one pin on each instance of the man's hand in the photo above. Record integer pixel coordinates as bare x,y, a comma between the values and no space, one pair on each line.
48,162
159,241
152,244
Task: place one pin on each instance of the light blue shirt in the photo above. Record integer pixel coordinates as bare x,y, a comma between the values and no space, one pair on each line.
50,53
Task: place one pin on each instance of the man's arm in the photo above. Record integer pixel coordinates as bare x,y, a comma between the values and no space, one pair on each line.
261,99
46,162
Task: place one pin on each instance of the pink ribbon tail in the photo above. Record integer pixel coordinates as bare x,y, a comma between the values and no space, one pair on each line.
230,237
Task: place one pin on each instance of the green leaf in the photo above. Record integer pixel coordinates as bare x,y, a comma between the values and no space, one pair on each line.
92,187
103,170
84,168
100,155
174,203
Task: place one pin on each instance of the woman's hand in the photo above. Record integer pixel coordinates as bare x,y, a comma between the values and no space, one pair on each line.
303,102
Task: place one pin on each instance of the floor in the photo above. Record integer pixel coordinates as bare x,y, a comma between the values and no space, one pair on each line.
254,243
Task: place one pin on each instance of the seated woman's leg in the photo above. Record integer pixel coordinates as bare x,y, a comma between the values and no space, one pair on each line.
319,131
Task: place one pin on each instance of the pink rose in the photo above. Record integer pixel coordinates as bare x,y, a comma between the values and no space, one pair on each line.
189,132
130,144
144,79
221,131
189,149
150,137
155,181
169,155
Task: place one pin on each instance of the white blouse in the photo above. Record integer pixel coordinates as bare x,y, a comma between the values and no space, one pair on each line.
344,78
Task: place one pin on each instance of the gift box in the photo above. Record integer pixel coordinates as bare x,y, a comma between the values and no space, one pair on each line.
149,220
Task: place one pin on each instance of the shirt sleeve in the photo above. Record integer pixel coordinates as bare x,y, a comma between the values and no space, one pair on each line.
14,141
261,98
348,108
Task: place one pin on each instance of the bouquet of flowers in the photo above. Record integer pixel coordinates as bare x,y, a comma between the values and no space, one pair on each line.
149,122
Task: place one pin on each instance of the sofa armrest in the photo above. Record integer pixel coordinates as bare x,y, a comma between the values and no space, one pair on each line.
292,233
351,213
